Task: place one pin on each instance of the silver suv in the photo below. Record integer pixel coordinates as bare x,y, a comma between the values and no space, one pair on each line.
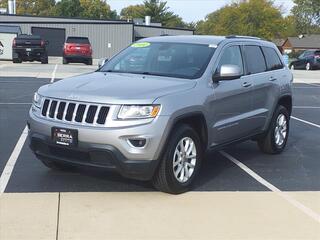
152,111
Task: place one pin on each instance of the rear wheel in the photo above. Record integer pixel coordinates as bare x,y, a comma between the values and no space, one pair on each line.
89,61
44,60
180,163
65,61
17,60
276,137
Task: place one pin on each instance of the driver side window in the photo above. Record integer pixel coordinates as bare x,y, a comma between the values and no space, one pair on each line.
231,56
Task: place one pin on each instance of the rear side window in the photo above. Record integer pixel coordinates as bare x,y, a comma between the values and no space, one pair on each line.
272,58
81,40
254,59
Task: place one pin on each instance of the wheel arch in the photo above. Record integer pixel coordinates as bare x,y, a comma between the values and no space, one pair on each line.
286,101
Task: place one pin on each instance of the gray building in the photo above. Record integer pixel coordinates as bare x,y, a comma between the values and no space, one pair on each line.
107,37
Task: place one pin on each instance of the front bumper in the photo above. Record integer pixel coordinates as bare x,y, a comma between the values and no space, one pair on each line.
105,147
92,155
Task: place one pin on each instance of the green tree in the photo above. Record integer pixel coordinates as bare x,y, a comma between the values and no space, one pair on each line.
97,9
158,10
133,11
68,8
32,7
307,16
254,18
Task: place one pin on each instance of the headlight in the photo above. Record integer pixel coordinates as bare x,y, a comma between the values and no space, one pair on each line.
138,111
37,100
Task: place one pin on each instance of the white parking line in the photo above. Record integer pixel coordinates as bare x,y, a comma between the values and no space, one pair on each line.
7,171
311,107
15,103
304,121
53,76
274,189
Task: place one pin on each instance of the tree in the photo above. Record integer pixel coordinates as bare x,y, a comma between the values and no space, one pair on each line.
133,11
68,8
254,18
97,9
32,7
158,10
307,16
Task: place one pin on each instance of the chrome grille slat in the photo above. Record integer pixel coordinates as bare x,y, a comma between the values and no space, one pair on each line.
65,111
74,112
77,113
96,115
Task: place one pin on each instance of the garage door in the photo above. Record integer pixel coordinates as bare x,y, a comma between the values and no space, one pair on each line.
55,38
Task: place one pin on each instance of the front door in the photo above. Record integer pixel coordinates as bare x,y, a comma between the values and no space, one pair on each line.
231,101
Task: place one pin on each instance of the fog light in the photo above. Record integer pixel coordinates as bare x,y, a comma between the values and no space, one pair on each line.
137,142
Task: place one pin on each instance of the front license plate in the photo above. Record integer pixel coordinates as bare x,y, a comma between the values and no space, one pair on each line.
28,49
65,137
78,48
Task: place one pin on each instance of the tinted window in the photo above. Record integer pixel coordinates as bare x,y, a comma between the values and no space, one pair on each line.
81,40
272,59
254,59
179,60
231,55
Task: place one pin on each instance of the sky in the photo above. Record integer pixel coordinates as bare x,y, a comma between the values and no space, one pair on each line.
193,10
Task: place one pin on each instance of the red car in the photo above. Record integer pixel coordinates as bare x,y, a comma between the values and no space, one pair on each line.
77,49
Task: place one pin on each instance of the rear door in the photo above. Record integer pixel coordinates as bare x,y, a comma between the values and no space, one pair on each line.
256,70
266,87
231,103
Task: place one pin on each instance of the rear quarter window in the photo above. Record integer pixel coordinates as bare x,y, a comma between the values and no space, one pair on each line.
272,59
81,40
254,59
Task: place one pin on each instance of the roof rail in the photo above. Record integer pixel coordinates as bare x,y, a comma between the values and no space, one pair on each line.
247,37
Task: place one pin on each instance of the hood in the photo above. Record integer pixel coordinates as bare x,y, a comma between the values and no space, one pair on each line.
115,88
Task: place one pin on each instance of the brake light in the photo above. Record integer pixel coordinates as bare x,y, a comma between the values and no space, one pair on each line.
14,43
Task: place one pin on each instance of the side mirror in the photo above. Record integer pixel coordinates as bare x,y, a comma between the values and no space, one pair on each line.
227,72
102,62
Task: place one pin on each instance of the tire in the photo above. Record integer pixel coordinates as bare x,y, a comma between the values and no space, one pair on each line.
291,67
44,60
54,165
89,61
308,67
17,60
164,178
65,61
270,143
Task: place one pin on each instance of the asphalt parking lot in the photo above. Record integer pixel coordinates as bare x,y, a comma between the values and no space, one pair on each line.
296,172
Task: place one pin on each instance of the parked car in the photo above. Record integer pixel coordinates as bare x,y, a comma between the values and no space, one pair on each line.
29,48
153,110
308,60
77,49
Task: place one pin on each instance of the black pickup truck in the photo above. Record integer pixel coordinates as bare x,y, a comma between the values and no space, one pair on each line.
29,48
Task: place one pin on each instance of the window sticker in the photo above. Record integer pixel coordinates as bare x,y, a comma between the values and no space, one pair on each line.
141,44
213,45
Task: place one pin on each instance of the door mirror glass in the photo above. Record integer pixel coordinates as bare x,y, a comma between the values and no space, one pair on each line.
228,72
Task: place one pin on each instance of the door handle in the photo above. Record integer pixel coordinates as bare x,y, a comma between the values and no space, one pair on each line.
246,84
272,79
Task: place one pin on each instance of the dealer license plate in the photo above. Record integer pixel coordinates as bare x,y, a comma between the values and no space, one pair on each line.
65,137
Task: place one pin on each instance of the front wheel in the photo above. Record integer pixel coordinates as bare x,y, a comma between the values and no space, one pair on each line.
276,137
180,163
308,66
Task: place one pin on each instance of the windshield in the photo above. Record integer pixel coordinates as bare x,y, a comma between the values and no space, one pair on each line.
179,60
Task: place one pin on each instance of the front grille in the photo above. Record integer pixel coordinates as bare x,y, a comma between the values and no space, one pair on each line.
81,113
